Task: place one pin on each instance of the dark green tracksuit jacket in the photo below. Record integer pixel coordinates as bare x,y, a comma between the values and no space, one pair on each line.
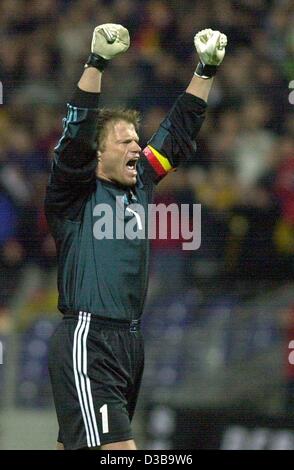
108,277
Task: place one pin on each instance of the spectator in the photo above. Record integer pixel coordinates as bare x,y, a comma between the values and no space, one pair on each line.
243,163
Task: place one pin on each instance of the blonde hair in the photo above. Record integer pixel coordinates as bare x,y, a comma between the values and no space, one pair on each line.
107,115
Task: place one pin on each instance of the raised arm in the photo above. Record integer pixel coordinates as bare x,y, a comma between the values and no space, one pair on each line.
109,40
75,154
75,159
210,46
174,142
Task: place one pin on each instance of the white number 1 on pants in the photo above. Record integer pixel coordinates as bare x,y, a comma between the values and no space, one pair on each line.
104,411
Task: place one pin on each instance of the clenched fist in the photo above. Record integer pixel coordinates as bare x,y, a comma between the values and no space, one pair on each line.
210,46
110,40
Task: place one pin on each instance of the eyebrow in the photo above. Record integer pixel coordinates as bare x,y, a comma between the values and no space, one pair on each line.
128,139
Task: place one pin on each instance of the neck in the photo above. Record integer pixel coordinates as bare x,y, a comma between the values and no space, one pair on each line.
102,176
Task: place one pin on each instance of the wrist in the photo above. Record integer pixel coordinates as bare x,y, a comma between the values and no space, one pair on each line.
205,71
90,80
96,61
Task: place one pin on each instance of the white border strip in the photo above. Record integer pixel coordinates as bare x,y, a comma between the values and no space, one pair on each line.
82,381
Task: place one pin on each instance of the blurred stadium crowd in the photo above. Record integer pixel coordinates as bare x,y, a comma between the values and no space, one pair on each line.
243,170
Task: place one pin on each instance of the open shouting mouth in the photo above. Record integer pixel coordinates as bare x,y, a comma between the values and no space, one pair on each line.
131,166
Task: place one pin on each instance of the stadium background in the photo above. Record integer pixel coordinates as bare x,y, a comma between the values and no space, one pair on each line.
218,321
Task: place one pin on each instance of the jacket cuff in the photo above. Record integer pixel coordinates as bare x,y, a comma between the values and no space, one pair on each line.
85,99
193,101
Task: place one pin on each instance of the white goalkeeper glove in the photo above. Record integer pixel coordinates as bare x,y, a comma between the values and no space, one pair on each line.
108,41
210,46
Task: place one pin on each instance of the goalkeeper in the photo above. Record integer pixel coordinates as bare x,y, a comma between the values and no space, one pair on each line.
96,353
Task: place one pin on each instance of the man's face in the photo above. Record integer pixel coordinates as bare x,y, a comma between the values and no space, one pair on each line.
119,154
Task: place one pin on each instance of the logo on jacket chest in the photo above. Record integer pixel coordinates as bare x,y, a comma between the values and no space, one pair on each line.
125,220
